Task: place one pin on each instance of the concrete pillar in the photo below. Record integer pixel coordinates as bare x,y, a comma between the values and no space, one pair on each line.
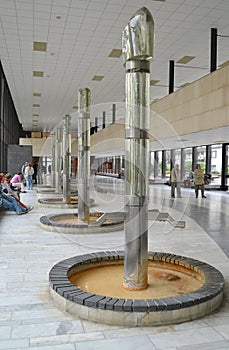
137,42
66,159
83,156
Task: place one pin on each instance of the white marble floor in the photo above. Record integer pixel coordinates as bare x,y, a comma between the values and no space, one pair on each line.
29,319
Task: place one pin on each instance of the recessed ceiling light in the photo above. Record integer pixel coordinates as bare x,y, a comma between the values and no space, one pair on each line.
38,94
75,107
185,59
115,53
52,54
36,105
39,46
154,82
97,77
35,115
38,74
58,17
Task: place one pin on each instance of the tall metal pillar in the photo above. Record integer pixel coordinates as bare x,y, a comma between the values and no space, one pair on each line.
53,172
58,157
66,159
137,42
213,62
83,155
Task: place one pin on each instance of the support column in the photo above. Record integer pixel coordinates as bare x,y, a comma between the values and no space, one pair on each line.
66,159
53,172
213,61
84,155
58,158
104,119
138,51
171,76
113,113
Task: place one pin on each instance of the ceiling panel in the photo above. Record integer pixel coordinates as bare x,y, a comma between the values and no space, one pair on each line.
80,35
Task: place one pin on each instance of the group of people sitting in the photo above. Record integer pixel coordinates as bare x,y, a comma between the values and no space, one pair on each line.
10,189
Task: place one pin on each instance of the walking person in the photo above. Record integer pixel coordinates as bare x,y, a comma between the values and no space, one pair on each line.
175,181
29,171
199,181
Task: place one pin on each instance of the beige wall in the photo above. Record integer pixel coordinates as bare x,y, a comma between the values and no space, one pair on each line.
200,106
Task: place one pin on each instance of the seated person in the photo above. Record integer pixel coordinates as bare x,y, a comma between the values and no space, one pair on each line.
17,180
189,178
11,203
9,188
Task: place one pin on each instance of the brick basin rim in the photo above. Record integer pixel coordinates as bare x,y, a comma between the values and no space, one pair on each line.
60,283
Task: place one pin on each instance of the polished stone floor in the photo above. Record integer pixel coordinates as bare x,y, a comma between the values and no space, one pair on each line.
30,320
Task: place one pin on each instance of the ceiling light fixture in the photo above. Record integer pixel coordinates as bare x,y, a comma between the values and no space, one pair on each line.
185,59
39,46
37,94
115,53
97,77
38,74
36,105
154,82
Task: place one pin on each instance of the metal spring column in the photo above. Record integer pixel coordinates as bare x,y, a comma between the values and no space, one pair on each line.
53,141
66,159
83,155
58,158
137,53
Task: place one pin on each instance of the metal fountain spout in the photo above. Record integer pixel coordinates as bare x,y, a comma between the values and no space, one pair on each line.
137,46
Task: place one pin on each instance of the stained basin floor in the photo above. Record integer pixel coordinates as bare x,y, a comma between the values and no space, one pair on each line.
29,319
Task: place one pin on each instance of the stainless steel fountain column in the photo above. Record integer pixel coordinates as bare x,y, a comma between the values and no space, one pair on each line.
66,159
84,97
137,44
58,158
53,173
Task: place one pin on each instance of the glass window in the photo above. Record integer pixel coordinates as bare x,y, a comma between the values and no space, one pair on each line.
201,157
151,165
216,164
187,161
177,156
159,164
227,165
168,164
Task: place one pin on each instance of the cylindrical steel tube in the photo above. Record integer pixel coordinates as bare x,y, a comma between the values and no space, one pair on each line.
83,156
53,172
66,159
137,48
58,158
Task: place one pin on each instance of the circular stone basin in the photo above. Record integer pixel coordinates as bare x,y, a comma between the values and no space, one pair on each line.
52,193
59,203
68,223
164,280
180,289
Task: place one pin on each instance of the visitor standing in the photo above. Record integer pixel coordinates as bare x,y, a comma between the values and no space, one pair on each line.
29,171
175,181
199,181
